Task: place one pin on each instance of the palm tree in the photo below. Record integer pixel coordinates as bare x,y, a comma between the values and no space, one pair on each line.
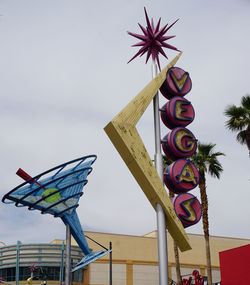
206,161
166,163
239,120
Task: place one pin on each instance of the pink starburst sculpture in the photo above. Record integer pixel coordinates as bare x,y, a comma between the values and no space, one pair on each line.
153,40
32,267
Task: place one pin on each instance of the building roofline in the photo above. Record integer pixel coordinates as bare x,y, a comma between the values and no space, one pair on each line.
153,237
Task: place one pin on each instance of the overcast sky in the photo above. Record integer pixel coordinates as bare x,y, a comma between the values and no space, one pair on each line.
64,76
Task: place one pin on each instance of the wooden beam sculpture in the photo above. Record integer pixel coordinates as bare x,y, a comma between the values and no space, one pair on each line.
126,139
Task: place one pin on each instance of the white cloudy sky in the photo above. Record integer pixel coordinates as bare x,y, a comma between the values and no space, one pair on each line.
64,76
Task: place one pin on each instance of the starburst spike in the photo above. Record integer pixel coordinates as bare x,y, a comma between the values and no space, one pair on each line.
150,34
138,53
165,38
169,46
158,62
140,37
152,25
158,43
158,26
161,31
148,54
171,25
143,29
143,52
162,52
154,54
139,44
147,19
144,48
147,45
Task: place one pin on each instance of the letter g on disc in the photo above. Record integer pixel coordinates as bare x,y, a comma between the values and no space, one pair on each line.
179,143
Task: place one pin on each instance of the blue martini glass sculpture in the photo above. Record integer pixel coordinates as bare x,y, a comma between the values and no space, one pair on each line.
57,192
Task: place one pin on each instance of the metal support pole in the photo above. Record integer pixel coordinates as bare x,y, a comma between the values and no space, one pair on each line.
62,265
17,261
110,264
68,257
161,223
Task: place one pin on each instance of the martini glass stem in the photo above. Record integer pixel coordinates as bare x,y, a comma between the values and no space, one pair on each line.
161,219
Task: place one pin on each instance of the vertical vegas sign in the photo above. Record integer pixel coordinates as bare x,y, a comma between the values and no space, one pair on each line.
179,144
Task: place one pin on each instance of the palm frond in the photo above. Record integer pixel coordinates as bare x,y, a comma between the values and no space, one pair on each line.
206,160
238,118
245,102
205,149
215,168
234,111
242,137
198,162
216,154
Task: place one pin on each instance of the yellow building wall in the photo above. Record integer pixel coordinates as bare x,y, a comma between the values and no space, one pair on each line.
143,249
135,258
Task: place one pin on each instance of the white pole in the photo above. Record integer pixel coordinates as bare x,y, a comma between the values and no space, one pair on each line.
161,223
68,257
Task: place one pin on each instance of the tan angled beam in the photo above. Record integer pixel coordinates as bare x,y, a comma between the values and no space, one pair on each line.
123,134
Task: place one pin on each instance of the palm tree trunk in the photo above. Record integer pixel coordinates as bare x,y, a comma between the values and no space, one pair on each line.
204,204
209,269
177,264
176,254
